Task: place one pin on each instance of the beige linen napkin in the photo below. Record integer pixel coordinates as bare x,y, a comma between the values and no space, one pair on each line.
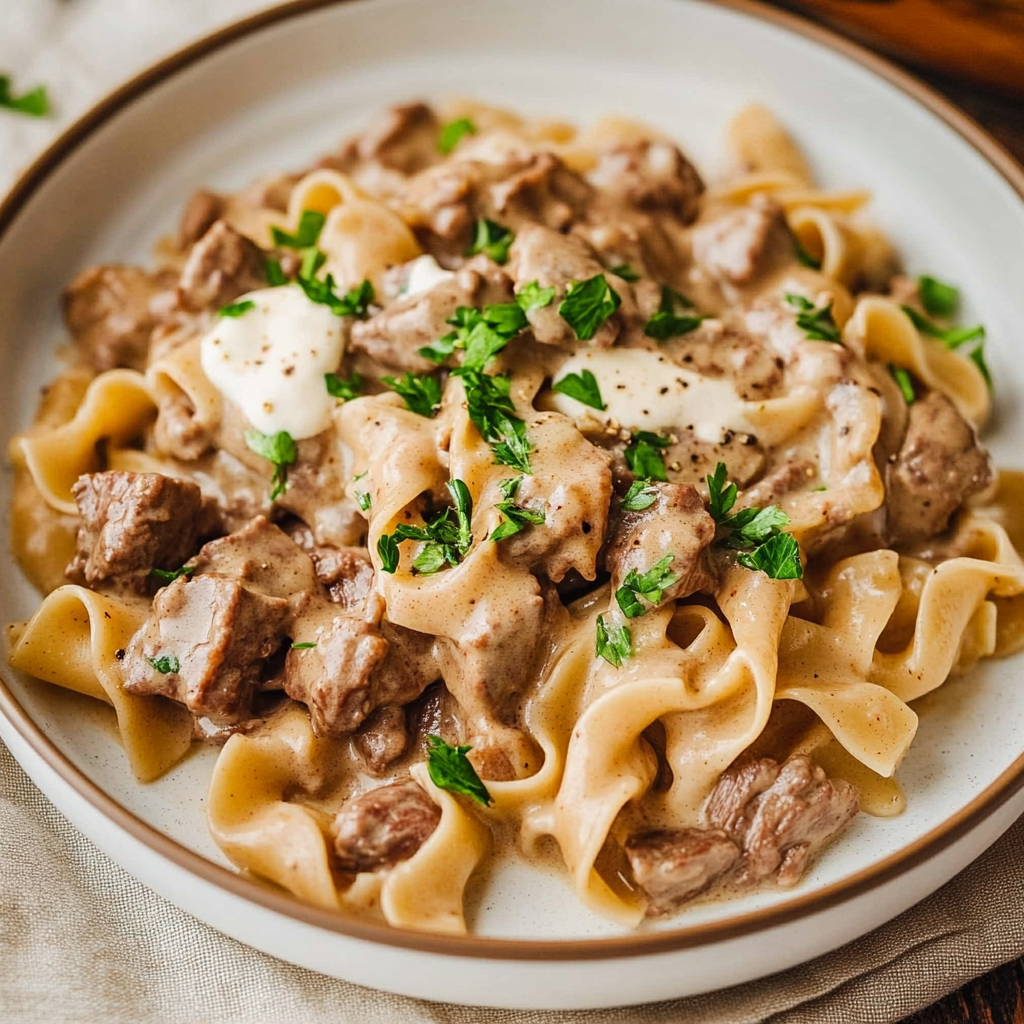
81,942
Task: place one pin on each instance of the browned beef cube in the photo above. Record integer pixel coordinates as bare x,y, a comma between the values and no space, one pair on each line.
382,739
651,175
221,266
200,213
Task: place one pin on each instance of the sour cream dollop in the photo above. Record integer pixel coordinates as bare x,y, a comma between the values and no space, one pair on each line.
271,360
424,273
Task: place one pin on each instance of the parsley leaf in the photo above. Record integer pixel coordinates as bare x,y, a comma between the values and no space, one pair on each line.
355,302
277,448
507,318
517,517
721,498
237,309
803,257
482,335
387,548
614,643
955,338
626,272
587,305
449,136
754,525
492,412
905,383
339,387
303,647
666,323
532,296
34,103
275,275
938,298
449,769
169,576
641,495
312,260
364,499
778,557
307,234
650,586
422,395
166,664
817,324
583,387
492,239
444,540
643,457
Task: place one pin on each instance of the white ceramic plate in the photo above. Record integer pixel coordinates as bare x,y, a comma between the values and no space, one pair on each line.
274,92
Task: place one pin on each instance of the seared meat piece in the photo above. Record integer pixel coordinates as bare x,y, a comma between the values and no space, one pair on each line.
737,245
792,475
672,867
177,432
200,213
112,310
382,738
780,816
346,573
394,336
650,175
938,467
221,266
676,524
132,523
382,827
403,139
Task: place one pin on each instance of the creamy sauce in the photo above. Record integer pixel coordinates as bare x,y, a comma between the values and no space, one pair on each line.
423,274
647,391
271,361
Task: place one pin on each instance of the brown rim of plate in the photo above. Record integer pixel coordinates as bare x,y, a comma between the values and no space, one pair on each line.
926,847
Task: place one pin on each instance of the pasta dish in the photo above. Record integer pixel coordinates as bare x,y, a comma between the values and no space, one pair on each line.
499,489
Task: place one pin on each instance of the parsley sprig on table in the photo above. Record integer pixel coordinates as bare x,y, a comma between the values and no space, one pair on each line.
517,517
641,592
450,769
446,538
278,448
817,324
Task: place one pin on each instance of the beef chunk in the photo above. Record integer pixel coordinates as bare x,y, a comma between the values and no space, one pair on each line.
651,176
403,139
200,213
382,827
221,266
676,524
780,816
111,312
672,867
177,430
346,573
737,245
938,467
132,523
382,739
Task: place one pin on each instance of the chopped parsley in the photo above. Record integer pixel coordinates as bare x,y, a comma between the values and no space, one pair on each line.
449,769
905,383
937,297
339,387
587,305
169,576
237,309
641,494
581,386
667,323
614,643
517,518
34,103
760,529
803,257
644,458
971,338
481,334
166,664
492,412
312,260
446,540
355,302
364,499
492,239
449,136
422,395
626,272
275,275
277,448
307,234
532,296
303,647
649,587
817,324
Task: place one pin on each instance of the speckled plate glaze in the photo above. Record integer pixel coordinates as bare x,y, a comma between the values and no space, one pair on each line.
273,92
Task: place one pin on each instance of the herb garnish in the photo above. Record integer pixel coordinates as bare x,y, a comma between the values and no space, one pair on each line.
517,517
583,387
449,136
774,552
492,239
491,410
170,575
955,338
588,304
817,324
444,540
312,260
355,302
303,647
614,643
339,387
449,769
237,309
666,323
803,257
422,394
905,383
277,448
641,494
275,275
364,499
937,297
34,103
166,664
644,458
626,272
532,296
311,223
482,334
650,587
